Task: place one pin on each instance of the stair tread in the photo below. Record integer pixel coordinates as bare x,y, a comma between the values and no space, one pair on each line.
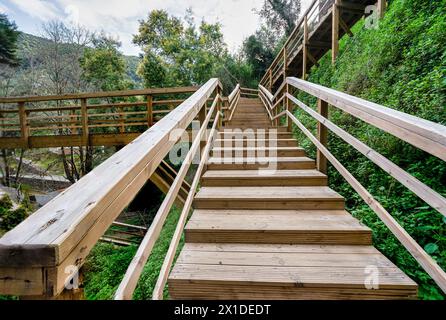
274,221
258,159
291,269
254,174
269,193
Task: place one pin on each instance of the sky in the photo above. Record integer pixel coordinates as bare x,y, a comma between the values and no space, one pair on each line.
119,18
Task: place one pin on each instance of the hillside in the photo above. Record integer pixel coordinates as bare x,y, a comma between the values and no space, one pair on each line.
28,45
401,65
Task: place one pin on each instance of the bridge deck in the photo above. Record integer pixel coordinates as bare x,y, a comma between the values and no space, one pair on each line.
276,234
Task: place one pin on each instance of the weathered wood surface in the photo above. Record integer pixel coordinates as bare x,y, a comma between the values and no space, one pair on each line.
63,232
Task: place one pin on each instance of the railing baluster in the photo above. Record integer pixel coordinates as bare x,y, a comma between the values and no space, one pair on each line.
24,128
84,117
149,111
335,32
305,48
322,135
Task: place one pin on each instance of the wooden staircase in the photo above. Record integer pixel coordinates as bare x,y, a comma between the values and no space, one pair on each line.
276,234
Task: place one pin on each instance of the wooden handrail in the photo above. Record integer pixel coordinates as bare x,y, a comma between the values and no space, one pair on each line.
434,199
62,233
102,94
168,260
415,130
130,280
423,134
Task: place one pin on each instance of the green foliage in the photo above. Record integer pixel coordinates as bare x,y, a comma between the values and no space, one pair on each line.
8,41
401,65
10,218
281,15
104,66
107,264
176,52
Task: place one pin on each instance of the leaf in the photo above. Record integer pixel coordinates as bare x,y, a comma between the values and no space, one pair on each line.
431,248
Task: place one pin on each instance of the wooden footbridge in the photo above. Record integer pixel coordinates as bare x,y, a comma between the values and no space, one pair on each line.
258,217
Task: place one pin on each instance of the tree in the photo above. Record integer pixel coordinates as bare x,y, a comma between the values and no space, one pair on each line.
176,52
8,41
103,66
281,15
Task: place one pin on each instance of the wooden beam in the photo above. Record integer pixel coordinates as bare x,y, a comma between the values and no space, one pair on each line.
84,119
423,134
24,128
104,94
312,59
356,8
431,197
63,232
305,49
149,111
131,277
319,44
322,135
345,27
168,259
382,5
335,32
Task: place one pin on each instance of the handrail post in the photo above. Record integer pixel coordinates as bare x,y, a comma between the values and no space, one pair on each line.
381,8
84,116
305,48
24,128
270,85
288,107
149,111
219,107
202,114
284,63
322,134
335,32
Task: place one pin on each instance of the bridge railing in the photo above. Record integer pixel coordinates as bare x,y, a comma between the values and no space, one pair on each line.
423,134
81,119
42,254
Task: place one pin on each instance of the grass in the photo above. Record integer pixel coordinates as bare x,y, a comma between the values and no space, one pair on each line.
107,264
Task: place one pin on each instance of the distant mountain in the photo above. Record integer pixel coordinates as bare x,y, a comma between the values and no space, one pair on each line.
28,44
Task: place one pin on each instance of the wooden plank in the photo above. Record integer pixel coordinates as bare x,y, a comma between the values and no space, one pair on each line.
22,281
431,197
305,49
257,163
158,291
84,119
102,94
24,128
335,32
149,110
93,203
322,134
268,198
307,277
130,280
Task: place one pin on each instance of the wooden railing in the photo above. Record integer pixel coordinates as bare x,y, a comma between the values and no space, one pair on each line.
35,256
81,119
234,98
311,37
423,134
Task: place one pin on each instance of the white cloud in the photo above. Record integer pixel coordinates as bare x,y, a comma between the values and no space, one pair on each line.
120,18
42,10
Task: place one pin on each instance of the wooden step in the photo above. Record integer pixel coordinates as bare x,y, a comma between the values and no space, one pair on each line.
276,227
255,142
312,198
267,272
254,134
258,152
225,178
280,163
268,130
